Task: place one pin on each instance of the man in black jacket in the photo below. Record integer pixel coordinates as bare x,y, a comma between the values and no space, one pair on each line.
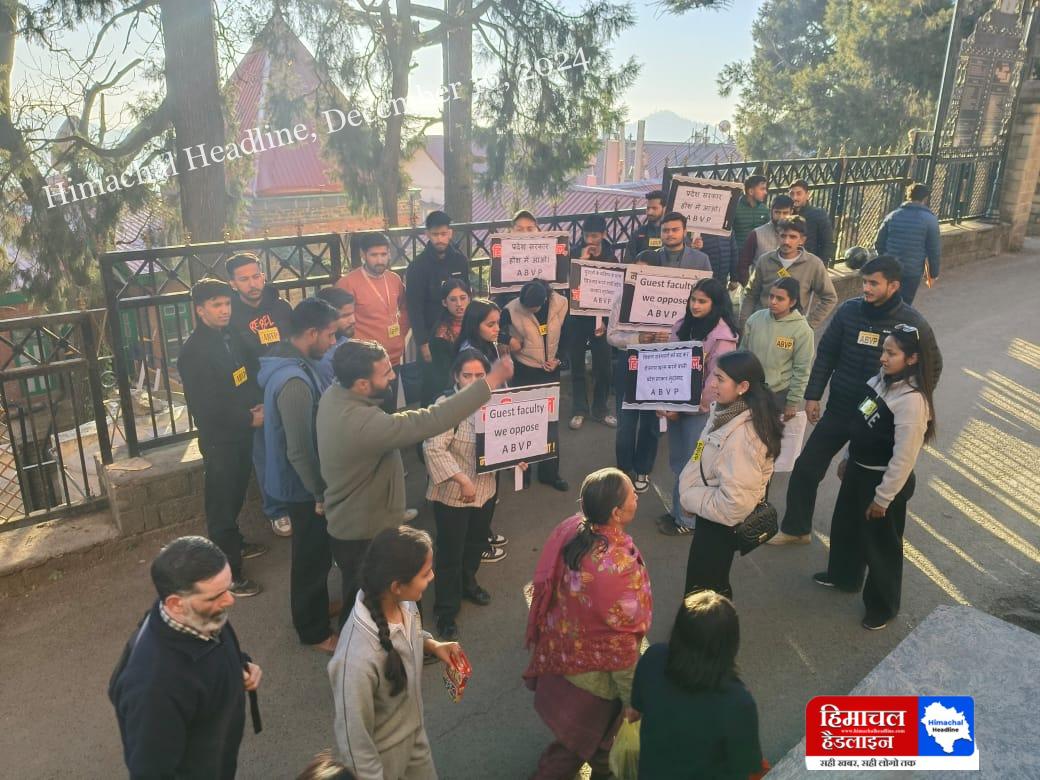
437,263
648,235
179,687
218,373
262,320
848,355
819,235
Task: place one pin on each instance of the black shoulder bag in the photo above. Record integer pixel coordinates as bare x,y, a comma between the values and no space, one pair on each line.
757,528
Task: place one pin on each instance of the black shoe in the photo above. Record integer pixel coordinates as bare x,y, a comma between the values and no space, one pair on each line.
497,540
447,630
244,588
251,550
821,578
477,595
874,622
666,525
558,484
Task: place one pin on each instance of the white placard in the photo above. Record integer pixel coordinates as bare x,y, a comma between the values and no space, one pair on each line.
516,430
527,258
595,286
659,295
664,376
705,203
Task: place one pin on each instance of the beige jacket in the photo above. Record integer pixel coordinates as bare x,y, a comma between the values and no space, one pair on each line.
524,326
737,470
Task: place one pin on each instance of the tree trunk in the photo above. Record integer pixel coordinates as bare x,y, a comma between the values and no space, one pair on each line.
193,88
458,116
401,42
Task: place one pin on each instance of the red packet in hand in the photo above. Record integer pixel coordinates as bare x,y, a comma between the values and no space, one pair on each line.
456,675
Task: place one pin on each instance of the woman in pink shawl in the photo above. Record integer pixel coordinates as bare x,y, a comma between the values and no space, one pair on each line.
590,611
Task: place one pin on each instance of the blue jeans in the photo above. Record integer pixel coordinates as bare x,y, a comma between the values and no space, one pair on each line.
635,445
682,441
913,271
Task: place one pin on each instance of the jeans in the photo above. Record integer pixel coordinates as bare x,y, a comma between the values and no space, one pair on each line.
828,437
635,445
581,336
913,272
462,534
682,441
309,574
226,479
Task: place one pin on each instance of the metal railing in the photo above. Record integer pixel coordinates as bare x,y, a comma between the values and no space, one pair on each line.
53,417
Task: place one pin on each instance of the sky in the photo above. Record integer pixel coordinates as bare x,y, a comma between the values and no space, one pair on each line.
681,56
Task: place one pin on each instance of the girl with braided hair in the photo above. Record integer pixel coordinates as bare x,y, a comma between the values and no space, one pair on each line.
375,672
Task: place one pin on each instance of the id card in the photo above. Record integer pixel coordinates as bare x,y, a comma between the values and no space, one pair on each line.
868,339
868,407
698,451
393,331
783,273
653,243
784,342
240,376
269,336
543,330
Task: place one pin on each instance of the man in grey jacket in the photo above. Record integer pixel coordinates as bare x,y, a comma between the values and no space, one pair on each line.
359,448
674,253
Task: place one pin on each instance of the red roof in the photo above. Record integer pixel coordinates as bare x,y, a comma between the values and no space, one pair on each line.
300,168
578,199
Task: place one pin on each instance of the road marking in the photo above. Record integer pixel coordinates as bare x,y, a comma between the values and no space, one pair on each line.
801,654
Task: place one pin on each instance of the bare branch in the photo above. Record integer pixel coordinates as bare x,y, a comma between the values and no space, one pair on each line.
136,8
148,128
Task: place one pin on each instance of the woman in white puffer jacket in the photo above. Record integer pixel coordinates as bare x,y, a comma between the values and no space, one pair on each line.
730,469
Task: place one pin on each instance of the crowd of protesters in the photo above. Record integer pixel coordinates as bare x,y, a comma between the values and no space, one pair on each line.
308,398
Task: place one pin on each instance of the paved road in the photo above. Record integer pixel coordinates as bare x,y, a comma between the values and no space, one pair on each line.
973,539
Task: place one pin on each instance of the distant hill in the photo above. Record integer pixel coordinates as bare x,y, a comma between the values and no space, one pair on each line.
666,126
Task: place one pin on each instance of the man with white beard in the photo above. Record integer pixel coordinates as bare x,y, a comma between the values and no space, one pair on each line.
179,688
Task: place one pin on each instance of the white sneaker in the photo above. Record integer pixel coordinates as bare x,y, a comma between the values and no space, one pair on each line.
782,538
610,421
281,526
410,514
577,421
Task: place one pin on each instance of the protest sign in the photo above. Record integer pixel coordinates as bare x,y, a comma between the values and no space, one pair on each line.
518,424
594,287
518,258
653,299
666,377
707,204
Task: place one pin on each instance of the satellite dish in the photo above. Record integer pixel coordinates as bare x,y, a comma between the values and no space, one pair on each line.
724,126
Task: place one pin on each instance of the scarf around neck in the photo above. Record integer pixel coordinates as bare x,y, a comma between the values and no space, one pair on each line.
725,414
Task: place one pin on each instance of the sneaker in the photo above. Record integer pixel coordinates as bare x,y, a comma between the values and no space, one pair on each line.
447,630
281,526
577,421
821,578
609,420
241,589
494,555
641,483
250,550
782,538
409,515
497,540
874,622
477,595
666,525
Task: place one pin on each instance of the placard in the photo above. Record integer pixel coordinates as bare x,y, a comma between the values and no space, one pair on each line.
654,299
665,377
595,286
518,425
518,258
707,204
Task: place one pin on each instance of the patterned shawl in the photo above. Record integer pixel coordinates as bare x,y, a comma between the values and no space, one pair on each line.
592,619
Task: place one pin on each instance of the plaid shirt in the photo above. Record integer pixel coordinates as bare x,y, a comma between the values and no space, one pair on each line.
449,453
178,626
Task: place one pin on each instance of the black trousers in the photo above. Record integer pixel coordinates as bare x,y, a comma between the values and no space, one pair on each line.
227,467
309,574
548,470
462,534
859,545
828,437
582,337
711,557
348,554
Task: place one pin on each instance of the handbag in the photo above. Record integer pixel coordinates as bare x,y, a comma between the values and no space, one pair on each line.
757,528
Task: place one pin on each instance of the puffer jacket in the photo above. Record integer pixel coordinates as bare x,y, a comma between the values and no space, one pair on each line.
736,467
911,234
524,326
722,252
850,351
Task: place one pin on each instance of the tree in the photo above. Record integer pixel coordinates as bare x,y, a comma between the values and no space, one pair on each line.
827,73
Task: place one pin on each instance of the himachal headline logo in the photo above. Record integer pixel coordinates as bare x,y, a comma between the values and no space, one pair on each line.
891,733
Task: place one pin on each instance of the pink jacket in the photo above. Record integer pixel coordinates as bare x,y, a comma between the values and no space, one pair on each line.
721,340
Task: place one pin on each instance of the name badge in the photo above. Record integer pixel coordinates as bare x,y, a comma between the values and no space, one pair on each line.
269,336
698,451
653,243
543,330
868,407
783,342
868,339
240,376
783,274
393,331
